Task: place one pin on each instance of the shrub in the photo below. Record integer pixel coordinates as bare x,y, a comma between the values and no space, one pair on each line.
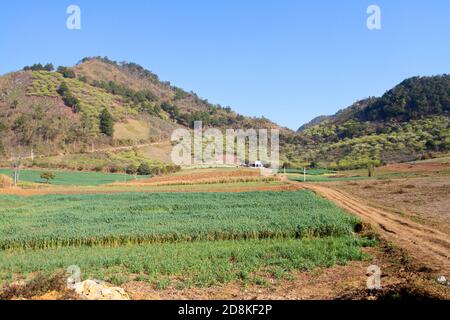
69,99
286,165
173,168
313,165
47,176
83,79
155,171
144,169
131,169
98,168
114,169
66,72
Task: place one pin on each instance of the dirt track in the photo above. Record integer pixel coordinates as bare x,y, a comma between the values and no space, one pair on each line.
428,245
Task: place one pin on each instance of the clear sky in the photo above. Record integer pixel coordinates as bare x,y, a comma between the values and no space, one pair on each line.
289,60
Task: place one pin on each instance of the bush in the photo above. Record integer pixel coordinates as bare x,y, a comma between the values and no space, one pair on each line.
47,176
313,165
66,72
114,169
131,169
144,169
69,99
172,168
155,171
98,168
286,165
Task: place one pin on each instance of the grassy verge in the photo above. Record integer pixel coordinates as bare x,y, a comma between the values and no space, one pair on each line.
189,263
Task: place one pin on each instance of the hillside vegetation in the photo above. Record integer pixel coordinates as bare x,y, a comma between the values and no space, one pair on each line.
409,122
60,111
100,103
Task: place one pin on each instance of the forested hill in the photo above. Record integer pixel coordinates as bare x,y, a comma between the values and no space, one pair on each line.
414,98
100,102
410,121
107,103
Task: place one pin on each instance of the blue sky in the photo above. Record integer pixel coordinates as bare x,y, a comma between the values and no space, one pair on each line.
287,60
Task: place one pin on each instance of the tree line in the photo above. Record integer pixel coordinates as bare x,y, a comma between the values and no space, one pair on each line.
414,98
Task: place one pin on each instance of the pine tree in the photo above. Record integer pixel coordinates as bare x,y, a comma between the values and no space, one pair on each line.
106,123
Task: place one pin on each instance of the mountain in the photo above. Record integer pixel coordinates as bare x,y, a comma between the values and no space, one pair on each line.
53,112
406,123
65,118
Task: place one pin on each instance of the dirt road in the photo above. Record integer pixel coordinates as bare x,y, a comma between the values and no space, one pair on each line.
428,245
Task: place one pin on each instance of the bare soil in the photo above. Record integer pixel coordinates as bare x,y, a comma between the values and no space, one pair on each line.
425,200
424,243
418,167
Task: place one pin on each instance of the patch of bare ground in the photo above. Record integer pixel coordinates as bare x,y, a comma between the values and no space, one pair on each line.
400,279
425,200
418,167
424,243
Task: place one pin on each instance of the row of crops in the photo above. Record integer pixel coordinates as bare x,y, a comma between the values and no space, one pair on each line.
55,221
201,264
175,239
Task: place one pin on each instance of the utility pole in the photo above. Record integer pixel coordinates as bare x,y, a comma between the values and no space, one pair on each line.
15,177
16,169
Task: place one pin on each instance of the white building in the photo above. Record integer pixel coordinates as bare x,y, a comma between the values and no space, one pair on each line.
258,164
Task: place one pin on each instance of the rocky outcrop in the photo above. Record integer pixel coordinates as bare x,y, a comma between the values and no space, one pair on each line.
94,290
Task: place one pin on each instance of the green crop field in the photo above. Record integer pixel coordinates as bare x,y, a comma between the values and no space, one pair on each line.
60,220
197,264
66,178
185,239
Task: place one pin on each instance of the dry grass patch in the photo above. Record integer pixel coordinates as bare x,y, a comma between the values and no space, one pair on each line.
5,182
205,177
